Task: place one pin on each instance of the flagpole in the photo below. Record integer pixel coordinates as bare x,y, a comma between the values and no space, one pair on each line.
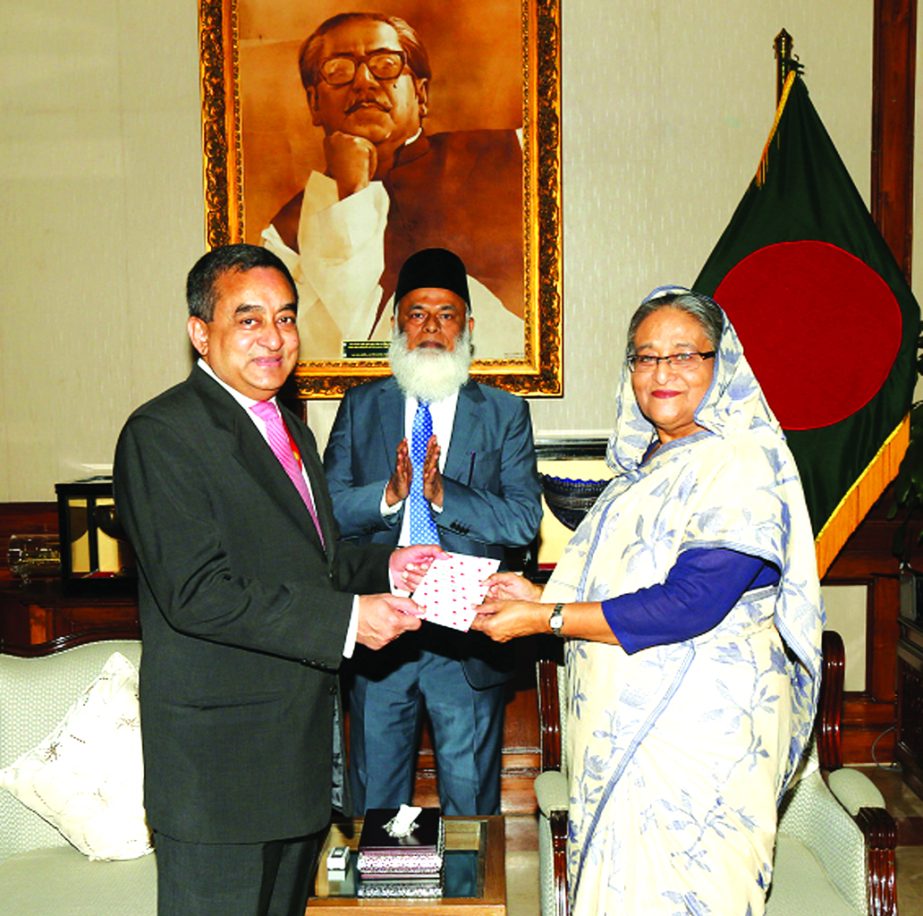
783,47
786,61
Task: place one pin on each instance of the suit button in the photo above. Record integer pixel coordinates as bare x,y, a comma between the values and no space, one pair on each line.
332,690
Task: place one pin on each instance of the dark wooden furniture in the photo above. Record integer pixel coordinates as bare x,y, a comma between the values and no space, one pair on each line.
876,824
39,618
909,749
867,559
894,49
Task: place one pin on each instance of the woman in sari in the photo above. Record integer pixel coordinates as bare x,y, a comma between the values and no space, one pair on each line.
691,608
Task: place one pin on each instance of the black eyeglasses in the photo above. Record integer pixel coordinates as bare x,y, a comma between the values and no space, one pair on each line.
683,361
341,69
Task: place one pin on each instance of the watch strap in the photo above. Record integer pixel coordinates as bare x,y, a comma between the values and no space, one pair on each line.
556,620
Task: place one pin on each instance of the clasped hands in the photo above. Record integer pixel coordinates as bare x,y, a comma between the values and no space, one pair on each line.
398,487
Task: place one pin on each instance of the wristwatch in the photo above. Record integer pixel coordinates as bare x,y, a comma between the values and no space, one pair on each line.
556,620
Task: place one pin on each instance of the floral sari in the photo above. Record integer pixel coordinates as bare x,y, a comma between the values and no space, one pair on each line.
679,753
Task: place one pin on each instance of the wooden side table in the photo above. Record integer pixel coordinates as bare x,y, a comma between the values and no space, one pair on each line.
38,618
481,840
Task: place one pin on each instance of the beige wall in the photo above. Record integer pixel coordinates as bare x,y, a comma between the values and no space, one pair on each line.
666,108
100,189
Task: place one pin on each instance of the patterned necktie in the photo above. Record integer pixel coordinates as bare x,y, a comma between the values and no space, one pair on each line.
422,527
281,446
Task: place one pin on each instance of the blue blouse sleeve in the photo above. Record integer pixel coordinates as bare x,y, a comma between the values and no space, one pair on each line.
703,585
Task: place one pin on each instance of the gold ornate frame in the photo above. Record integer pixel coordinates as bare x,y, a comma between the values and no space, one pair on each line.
539,372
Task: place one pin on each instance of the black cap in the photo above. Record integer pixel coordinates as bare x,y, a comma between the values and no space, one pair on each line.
433,268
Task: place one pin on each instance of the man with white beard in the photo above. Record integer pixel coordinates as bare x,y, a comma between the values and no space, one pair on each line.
428,456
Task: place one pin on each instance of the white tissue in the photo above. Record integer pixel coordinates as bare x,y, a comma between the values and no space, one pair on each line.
404,822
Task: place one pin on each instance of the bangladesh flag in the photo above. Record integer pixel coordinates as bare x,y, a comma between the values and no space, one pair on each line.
827,320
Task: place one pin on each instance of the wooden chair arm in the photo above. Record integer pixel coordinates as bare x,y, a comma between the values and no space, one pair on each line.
558,822
880,832
877,826
549,721
549,714
830,706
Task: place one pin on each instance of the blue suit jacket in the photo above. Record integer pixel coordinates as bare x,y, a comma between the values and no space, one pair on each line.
492,490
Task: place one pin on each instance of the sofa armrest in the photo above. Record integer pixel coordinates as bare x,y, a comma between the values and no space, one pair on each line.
551,792
854,790
861,798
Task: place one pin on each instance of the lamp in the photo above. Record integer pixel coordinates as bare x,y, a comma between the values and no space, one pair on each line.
95,555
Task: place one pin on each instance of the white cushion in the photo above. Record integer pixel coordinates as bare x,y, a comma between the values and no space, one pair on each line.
86,777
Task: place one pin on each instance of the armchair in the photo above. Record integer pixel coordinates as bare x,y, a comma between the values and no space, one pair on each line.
835,847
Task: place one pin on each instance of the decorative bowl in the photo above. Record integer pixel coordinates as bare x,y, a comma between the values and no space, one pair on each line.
569,499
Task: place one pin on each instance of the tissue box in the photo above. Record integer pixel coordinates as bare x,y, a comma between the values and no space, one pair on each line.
418,856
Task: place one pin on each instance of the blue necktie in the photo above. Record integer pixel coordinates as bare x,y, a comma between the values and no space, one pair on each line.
422,527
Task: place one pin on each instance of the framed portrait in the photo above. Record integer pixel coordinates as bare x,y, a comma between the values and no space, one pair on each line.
344,135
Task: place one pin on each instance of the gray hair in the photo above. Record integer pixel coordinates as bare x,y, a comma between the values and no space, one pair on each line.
701,307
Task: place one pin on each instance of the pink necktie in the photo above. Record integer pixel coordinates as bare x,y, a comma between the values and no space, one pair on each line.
281,447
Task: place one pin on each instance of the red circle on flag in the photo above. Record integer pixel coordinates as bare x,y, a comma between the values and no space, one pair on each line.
819,327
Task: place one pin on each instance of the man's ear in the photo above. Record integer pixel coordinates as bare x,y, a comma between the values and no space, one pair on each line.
311,95
197,330
422,86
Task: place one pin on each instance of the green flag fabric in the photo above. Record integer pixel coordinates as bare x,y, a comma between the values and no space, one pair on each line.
827,319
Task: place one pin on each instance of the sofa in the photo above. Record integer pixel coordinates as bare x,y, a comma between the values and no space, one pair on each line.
40,872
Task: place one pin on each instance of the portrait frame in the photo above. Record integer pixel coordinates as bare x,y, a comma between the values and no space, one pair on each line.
538,371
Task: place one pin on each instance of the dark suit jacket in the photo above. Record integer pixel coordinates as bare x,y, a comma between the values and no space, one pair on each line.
242,615
492,491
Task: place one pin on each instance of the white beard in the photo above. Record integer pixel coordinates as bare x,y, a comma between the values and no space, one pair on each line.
428,374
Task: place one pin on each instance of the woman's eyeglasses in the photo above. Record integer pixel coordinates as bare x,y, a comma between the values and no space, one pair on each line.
683,361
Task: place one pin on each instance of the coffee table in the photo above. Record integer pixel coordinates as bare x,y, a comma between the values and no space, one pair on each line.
475,880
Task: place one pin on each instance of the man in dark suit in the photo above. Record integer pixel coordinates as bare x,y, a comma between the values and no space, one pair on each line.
246,603
475,483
